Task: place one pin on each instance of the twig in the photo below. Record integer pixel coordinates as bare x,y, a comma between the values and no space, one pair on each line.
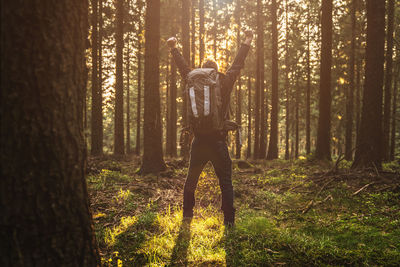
310,204
362,188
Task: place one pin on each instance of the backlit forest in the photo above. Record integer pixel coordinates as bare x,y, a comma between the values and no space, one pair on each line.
95,149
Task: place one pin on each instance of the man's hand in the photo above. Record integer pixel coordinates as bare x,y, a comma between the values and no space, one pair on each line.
171,42
249,37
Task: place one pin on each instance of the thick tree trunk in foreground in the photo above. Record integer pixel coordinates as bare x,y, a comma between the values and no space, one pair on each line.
369,140
388,82
323,149
119,148
193,33
152,161
45,216
273,138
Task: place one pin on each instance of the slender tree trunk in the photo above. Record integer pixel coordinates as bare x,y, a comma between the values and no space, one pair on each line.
152,161
263,101
45,218
139,81
128,117
358,95
351,88
273,138
186,54
287,133
308,92
173,111
214,3
323,150
369,140
100,74
97,114
297,140
249,117
388,82
201,31
193,38
119,148
239,86
394,108
259,81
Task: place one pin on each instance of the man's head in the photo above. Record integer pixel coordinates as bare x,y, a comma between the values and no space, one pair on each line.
210,64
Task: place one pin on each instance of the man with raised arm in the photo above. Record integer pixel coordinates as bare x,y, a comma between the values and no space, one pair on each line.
212,146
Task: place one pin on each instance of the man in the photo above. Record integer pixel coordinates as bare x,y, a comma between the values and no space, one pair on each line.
212,147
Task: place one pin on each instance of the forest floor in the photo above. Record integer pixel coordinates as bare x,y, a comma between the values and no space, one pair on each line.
296,213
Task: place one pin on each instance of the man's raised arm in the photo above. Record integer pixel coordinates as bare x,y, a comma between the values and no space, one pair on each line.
180,61
238,63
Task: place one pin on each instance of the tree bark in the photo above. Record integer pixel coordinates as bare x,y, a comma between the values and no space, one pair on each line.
351,87
394,108
257,100
128,111
388,82
97,114
45,218
239,86
249,117
323,149
201,32
308,92
369,140
287,124
273,138
119,148
152,161
139,81
193,37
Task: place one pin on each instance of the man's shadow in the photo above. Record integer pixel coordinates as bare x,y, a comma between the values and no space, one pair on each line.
180,250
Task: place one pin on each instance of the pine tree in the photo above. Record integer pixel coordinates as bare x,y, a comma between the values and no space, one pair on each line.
45,218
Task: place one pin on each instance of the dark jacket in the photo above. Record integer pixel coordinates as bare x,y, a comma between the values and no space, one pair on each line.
227,80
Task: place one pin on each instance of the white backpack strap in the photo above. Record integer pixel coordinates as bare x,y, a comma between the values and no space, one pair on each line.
193,101
206,100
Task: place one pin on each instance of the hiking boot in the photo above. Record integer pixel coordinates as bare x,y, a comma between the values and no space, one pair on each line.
187,213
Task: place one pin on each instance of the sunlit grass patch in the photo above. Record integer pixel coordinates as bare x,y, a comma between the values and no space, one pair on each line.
112,234
106,177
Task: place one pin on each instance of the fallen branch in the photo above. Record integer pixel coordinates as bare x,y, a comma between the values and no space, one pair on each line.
362,188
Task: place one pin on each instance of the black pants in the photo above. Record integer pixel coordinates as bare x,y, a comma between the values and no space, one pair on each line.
216,151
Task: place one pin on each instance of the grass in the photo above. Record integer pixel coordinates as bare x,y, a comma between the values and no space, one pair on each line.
138,220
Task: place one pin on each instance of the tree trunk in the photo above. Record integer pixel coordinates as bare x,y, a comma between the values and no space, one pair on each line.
119,84
45,218
388,82
257,100
297,140
351,88
394,108
287,133
273,138
323,149
100,74
128,111
214,3
97,114
369,139
139,81
249,117
308,92
193,29
186,54
201,31
152,161
239,86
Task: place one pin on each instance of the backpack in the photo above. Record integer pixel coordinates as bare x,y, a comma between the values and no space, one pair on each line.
204,102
